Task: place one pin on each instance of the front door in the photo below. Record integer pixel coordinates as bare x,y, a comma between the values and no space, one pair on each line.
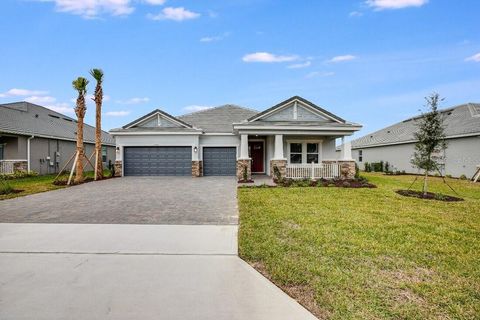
256,150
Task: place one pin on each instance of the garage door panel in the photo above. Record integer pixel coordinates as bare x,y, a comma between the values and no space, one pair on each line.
158,161
219,161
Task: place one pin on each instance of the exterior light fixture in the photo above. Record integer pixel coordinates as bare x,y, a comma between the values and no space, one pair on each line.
195,149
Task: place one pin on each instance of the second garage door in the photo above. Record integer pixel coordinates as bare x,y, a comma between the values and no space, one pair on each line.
219,161
158,161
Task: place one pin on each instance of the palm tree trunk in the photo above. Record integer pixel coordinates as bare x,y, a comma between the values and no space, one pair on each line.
80,151
98,137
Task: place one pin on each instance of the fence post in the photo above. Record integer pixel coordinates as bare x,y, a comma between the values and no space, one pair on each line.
313,170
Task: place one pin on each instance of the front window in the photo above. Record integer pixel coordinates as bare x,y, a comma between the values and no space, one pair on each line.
104,154
312,152
360,156
296,153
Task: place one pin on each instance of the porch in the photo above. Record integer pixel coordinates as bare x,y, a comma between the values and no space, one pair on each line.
293,157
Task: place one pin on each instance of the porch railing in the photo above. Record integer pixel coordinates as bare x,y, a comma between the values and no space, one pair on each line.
8,166
327,170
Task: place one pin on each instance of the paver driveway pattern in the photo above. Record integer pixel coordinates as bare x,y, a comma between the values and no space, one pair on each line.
132,200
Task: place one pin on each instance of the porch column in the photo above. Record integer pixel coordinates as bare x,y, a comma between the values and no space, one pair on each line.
346,163
278,165
244,147
278,155
346,151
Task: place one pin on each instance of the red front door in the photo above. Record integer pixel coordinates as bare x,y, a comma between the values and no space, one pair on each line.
255,149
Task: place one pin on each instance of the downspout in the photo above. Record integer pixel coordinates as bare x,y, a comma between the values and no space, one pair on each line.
28,152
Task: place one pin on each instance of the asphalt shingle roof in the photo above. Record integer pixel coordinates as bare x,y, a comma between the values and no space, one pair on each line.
219,119
460,120
26,118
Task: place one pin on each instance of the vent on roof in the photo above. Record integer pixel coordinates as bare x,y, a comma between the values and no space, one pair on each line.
69,120
53,116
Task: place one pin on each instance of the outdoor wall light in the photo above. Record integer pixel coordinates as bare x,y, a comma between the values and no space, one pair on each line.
195,149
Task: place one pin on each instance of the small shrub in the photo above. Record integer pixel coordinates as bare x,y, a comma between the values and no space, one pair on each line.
448,176
439,196
18,174
463,177
111,168
368,168
387,166
5,187
357,171
245,173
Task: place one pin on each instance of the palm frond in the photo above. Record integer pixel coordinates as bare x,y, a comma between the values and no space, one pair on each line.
80,84
97,74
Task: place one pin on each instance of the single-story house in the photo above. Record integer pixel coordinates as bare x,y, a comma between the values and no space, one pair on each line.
38,139
395,144
296,136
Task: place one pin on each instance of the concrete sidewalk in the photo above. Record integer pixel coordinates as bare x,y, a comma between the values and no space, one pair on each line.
132,272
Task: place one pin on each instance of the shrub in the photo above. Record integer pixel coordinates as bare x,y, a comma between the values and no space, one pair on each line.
111,168
5,187
377,166
245,173
463,177
368,168
18,175
357,171
448,176
387,166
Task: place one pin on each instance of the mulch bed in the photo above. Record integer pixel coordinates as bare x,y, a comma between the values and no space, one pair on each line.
12,191
350,183
428,196
63,182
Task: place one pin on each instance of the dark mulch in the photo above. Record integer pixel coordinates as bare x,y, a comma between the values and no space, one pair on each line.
12,191
346,183
245,181
428,196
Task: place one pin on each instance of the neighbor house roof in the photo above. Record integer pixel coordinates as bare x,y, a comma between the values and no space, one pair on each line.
24,118
462,120
219,119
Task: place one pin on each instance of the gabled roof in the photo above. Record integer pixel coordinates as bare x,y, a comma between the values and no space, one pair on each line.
462,120
25,118
301,100
219,119
154,113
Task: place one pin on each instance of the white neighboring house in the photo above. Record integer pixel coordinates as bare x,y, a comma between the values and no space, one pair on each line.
396,143
296,136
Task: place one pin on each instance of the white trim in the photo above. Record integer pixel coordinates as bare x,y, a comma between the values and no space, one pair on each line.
15,134
264,155
319,142
159,115
219,134
295,111
306,128
279,108
153,133
337,134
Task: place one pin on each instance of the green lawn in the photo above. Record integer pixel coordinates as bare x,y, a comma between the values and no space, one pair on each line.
368,253
38,184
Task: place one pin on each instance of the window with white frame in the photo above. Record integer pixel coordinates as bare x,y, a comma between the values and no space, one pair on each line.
104,153
304,152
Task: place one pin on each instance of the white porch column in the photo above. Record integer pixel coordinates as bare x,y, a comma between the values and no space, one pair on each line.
244,146
346,153
278,155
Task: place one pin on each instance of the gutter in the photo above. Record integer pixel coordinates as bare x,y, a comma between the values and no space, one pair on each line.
28,152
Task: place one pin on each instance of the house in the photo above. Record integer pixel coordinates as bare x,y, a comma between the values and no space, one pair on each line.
296,136
395,144
38,139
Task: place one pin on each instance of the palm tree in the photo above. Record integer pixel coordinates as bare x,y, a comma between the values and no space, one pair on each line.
97,74
80,85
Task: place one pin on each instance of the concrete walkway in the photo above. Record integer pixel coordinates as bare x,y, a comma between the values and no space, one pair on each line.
60,271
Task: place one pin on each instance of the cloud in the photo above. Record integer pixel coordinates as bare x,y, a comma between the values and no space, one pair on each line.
343,58
195,108
266,57
394,4
135,100
120,113
355,14
92,8
316,74
60,108
474,58
155,2
215,38
40,99
300,65
22,92
175,14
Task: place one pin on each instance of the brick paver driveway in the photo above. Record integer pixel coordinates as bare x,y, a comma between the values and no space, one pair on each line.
133,200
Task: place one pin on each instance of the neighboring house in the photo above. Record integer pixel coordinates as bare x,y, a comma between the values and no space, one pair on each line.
396,143
296,136
38,139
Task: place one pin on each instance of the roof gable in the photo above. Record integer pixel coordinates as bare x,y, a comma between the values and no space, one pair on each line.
296,109
157,118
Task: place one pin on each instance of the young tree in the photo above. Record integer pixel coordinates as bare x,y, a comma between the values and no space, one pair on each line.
80,85
97,74
430,139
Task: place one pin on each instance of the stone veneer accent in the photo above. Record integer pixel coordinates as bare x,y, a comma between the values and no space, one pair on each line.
118,168
197,169
241,164
282,167
21,166
347,169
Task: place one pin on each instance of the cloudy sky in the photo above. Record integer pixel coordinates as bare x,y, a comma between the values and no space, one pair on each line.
369,61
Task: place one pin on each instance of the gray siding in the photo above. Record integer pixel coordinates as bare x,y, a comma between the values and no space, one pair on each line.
462,156
153,122
286,114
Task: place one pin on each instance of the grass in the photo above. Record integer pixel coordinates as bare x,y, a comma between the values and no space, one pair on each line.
368,253
31,185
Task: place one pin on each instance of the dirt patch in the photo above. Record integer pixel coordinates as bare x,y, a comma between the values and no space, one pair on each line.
428,196
12,191
302,293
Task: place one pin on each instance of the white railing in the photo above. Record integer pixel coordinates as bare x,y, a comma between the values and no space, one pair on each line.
327,170
6,166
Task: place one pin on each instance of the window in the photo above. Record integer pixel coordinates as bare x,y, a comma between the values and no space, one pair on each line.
360,155
1,151
296,152
104,153
312,152
305,152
